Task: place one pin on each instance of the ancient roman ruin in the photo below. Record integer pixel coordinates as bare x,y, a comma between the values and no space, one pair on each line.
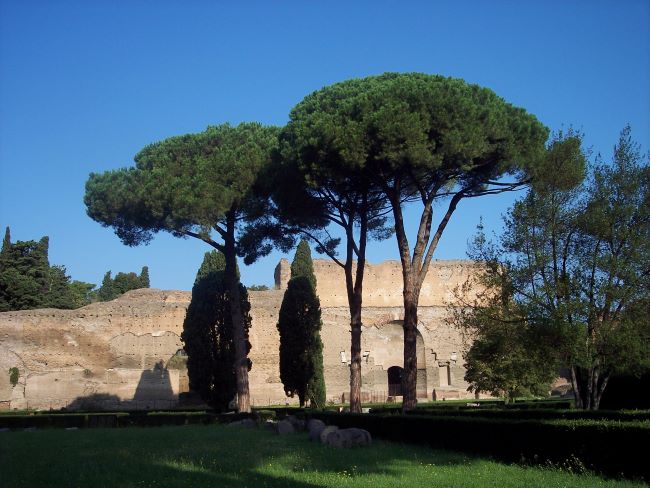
127,353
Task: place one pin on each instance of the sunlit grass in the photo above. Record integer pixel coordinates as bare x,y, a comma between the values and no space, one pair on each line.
218,456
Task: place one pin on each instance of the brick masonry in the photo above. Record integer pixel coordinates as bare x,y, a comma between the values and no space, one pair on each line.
117,354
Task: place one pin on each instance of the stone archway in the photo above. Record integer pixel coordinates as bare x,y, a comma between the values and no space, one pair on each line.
395,381
383,348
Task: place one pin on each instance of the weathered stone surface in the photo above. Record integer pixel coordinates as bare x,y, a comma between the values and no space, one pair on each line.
327,431
284,427
315,427
117,354
347,438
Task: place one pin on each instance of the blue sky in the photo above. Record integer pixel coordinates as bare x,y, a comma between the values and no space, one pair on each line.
85,85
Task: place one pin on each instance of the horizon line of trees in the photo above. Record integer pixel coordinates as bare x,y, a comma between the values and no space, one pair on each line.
28,281
353,156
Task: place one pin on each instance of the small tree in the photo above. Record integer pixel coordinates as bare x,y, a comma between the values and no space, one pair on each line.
106,292
144,277
207,333
574,261
299,324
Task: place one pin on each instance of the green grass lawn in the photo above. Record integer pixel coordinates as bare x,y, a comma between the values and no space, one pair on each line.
219,456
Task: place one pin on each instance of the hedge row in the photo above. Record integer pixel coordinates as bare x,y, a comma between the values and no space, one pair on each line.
538,414
611,448
120,419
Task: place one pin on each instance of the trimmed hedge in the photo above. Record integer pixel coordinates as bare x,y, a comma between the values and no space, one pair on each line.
608,447
539,414
121,419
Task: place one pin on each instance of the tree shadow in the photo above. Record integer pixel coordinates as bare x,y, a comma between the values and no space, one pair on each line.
154,391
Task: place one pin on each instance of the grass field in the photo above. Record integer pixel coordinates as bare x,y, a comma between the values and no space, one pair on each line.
219,456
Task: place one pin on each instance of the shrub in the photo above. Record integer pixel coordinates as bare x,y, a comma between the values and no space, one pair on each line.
14,374
590,442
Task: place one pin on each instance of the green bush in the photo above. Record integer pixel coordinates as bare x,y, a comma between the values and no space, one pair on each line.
14,374
609,447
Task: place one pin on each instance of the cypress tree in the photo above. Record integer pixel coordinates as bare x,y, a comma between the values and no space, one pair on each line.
144,277
302,264
299,324
6,242
105,292
207,333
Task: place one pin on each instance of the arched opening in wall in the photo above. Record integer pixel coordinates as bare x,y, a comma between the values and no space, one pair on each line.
384,345
395,381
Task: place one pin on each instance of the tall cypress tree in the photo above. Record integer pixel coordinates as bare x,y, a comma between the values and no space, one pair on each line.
144,277
207,333
299,324
105,292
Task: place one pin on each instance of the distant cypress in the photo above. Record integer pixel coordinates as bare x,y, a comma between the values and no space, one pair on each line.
144,277
299,324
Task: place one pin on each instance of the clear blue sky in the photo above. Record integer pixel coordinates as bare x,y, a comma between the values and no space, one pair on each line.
84,85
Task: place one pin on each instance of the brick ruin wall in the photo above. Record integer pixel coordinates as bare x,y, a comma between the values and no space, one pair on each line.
120,354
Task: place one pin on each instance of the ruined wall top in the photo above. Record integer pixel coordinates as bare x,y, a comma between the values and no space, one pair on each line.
382,283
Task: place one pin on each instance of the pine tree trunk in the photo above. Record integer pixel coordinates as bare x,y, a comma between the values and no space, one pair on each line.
355,354
409,376
239,338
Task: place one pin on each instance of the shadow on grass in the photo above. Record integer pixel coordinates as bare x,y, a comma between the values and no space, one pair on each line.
193,456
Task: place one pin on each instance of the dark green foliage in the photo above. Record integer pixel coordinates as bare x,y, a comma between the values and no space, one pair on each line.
208,336
302,264
572,267
124,282
583,444
58,293
627,391
416,138
105,292
144,277
114,287
204,186
511,360
299,324
27,281
81,293
184,185
14,374
257,288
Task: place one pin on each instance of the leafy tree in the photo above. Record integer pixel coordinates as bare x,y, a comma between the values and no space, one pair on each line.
81,293
24,274
423,138
200,186
27,281
319,186
124,282
575,263
114,287
144,277
258,288
106,291
58,293
207,333
299,324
